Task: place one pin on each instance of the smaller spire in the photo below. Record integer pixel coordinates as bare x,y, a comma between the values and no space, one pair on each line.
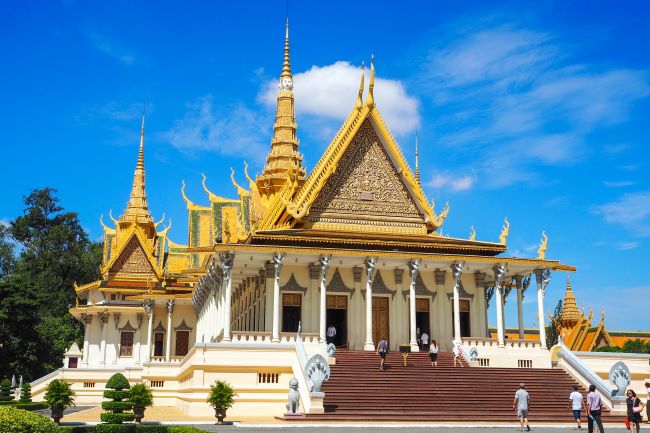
370,101
417,162
137,209
361,85
570,313
286,66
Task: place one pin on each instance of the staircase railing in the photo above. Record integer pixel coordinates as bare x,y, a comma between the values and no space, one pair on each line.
312,400
575,367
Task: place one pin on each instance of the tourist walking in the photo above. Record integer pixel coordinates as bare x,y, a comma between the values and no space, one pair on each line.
647,403
634,408
433,353
520,404
382,350
458,354
424,338
575,402
331,333
593,410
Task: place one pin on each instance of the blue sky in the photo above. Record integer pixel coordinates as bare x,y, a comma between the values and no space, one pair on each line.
538,112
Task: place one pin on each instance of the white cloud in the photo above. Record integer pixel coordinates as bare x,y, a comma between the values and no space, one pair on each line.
618,184
512,99
330,92
631,211
624,246
237,131
4,222
111,49
444,181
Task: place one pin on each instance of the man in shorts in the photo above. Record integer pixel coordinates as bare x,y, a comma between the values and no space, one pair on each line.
382,350
575,402
520,404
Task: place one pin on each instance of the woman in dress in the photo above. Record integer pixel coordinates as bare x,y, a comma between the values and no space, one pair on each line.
433,353
634,408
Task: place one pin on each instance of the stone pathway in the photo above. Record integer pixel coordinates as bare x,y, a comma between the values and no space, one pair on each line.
412,428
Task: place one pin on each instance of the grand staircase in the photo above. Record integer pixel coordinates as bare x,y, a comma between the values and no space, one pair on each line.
358,391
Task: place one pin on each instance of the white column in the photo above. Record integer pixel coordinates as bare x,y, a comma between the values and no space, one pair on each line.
168,343
277,267
543,277
499,273
227,260
138,340
457,272
324,265
370,263
148,308
87,319
103,320
414,268
520,307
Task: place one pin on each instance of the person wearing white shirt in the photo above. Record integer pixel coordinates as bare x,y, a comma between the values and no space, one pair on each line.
575,402
458,353
647,406
424,338
331,333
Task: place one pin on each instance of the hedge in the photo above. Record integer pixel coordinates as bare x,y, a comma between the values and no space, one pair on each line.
14,420
27,406
139,428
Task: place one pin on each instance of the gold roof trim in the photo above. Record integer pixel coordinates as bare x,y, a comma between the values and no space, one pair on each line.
213,197
136,231
191,205
85,287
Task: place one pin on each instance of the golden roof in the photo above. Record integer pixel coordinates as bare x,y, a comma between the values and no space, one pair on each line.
570,312
137,210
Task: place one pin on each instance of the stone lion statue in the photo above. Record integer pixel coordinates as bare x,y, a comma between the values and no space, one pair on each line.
293,403
331,349
473,354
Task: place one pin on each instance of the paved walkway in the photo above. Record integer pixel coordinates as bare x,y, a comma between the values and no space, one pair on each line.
392,429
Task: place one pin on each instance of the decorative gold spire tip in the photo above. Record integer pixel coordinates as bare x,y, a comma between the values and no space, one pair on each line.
361,85
370,101
417,162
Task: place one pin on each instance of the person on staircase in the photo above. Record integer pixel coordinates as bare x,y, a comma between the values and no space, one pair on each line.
382,350
424,338
593,410
634,409
458,354
647,404
575,402
433,353
520,404
331,333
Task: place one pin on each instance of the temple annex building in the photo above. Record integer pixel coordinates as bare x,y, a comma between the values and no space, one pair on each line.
272,263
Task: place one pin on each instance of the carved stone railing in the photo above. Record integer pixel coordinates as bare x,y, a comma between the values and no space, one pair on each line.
581,372
265,337
311,373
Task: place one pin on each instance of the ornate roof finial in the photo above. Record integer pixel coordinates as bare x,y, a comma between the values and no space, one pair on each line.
505,231
286,66
417,162
541,252
370,101
570,313
137,209
472,234
361,85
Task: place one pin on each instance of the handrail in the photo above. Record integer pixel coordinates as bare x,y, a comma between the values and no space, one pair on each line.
462,350
46,377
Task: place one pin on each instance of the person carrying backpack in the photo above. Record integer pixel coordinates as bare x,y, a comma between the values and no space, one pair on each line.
382,350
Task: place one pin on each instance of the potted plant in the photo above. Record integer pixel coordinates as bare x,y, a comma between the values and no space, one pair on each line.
59,396
141,398
221,397
117,409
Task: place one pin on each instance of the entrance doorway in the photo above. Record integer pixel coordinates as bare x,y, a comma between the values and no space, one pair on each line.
380,321
422,319
291,311
337,316
465,325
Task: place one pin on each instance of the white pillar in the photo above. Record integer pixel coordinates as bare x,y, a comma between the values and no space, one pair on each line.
138,340
227,260
103,320
168,343
324,265
520,307
499,272
457,272
277,267
148,308
414,268
370,263
543,277
87,319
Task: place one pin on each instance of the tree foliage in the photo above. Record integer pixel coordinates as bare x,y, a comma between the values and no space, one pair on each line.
551,329
629,346
42,253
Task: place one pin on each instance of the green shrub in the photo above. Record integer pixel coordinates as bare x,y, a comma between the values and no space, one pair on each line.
5,390
26,393
31,406
141,395
77,429
221,396
115,428
59,394
119,409
14,420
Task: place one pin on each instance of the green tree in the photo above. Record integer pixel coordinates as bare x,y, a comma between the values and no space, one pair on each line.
5,390
119,409
42,253
551,329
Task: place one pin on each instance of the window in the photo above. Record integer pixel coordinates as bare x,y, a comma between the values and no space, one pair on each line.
182,342
158,342
126,343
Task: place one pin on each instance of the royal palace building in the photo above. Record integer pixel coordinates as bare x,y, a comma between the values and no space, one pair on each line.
273,262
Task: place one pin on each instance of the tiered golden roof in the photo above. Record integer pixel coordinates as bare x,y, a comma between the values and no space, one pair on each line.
570,314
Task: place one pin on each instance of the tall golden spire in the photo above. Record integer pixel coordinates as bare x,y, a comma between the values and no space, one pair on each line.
137,209
417,162
283,160
570,314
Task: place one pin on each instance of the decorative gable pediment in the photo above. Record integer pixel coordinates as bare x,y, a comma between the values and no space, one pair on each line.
366,192
133,260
